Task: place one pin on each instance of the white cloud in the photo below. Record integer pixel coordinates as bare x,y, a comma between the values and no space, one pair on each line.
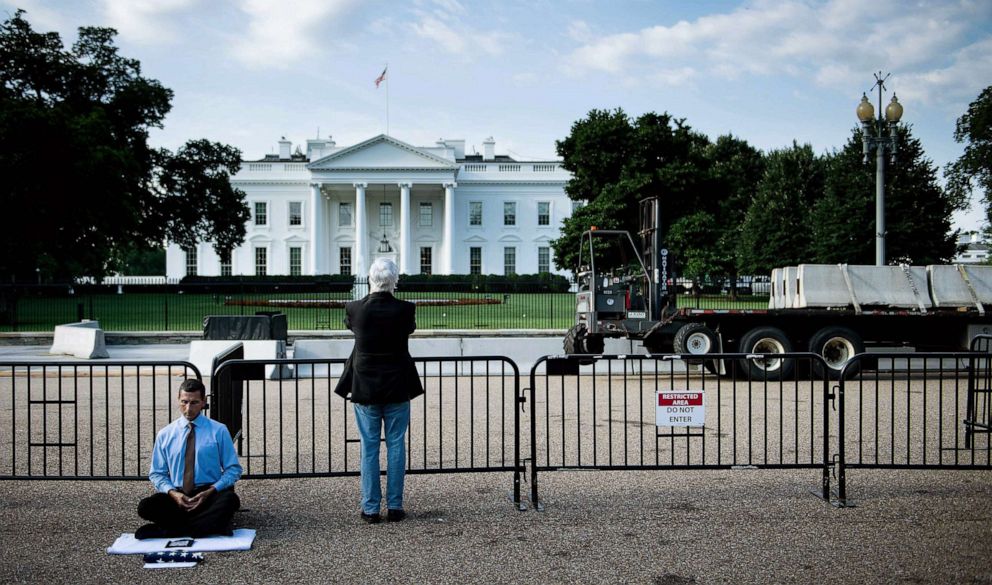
834,43
145,21
445,27
280,32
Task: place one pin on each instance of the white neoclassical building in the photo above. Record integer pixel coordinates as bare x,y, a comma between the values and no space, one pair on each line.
433,209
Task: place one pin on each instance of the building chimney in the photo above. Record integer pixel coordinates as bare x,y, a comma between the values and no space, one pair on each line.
319,148
284,148
489,149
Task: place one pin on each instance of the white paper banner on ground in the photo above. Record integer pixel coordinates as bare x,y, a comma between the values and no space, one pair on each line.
680,408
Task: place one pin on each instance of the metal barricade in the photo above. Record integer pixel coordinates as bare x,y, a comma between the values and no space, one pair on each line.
293,425
605,412
68,420
915,411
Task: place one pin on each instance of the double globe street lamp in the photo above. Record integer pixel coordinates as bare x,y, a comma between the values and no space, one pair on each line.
880,142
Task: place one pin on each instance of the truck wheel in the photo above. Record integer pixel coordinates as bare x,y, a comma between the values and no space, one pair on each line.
767,341
695,339
837,345
575,340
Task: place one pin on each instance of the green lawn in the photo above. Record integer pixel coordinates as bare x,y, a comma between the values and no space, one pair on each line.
185,312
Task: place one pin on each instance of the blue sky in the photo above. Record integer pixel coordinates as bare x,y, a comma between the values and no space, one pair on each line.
246,72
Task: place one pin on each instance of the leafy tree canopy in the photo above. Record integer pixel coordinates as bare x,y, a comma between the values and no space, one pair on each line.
617,161
82,185
918,213
974,168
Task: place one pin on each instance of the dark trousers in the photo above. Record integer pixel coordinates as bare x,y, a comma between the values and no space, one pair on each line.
211,517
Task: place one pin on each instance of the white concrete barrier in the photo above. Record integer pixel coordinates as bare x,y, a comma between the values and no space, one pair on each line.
82,340
202,353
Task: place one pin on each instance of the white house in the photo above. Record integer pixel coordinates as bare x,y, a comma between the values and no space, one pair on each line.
974,249
431,209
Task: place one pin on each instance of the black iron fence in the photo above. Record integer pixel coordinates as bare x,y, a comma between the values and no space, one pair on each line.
481,304
901,410
289,423
68,420
915,411
611,412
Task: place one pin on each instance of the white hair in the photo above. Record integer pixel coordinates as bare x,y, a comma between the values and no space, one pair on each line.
383,275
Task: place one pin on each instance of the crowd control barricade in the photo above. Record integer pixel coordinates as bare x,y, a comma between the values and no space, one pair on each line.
468,420
72,420
915,411
609,412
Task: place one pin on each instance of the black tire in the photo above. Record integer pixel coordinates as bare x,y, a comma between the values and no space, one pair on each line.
767,341
695,339
575,340
837,345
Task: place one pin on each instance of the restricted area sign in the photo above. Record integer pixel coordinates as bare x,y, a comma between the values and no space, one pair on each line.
680,408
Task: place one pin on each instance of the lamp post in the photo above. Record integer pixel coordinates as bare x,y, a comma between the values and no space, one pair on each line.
880,142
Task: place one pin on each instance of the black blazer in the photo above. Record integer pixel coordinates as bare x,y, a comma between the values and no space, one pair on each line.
380,369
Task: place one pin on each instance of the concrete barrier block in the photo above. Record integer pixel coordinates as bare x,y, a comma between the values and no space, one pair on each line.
949,289
203,352
321,349
888,286
82,340
269,349
821,285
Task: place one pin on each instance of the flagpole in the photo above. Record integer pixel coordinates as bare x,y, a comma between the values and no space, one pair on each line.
387,98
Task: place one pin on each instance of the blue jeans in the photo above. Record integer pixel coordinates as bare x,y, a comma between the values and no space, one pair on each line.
370,420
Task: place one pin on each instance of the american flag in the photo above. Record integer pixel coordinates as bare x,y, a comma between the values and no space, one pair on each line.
381,78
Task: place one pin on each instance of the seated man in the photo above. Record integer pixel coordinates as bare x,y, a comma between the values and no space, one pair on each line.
194,467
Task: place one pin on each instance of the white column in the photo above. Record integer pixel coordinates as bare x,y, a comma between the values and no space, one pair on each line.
361,239
406,226
447,262
315,227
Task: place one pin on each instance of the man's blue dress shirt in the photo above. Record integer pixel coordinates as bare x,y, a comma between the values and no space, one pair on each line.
216,459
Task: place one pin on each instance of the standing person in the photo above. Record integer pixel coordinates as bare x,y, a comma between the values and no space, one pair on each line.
381,378
194,467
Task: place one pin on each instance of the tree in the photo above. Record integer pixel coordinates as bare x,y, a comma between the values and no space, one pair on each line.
974,167
616,162
775,229
82,185
918,212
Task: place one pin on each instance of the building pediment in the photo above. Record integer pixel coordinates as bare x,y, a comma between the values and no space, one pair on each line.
382,153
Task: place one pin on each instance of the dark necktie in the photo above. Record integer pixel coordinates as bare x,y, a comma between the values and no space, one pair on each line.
189,483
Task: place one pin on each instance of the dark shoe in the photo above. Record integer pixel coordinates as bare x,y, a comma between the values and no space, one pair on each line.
395,516
150,531
371,518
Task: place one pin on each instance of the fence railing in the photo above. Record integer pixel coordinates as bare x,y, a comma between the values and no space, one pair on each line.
320,305
603,412
917,411
295,426
69,420
912,411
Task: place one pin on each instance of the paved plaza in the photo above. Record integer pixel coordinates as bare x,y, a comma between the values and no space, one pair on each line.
664,527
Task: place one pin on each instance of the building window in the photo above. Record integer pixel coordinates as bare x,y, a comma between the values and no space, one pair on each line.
225,263
475,213
509,213
426,260
344,214
295,261
295,213
509,260
426,214
475,260
190,261
543,213
543,259
577,205
345,260
385,214
261,261
261,213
